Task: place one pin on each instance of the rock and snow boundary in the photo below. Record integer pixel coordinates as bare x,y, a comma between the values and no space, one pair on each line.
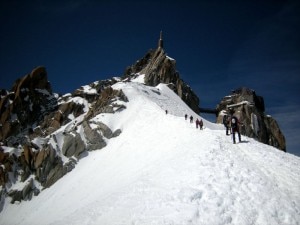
162,170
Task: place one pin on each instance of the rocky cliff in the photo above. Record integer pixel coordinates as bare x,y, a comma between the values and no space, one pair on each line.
250,109
26,104
42,135
160,68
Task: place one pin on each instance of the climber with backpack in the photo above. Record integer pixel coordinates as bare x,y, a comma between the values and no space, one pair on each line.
191,119
235,128
197,123
201,124
226,122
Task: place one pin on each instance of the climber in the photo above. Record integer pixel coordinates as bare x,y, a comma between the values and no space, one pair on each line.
201,124
226,123
235,127
191,119
185,116
197,123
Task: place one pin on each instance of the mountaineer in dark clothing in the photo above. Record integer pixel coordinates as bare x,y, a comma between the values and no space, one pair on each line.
226,122
235,128
201,124
197,123
191,119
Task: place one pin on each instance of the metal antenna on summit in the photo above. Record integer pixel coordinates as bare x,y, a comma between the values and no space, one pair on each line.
160,42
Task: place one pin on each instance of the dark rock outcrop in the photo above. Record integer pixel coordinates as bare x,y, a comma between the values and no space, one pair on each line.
106,103
92,91
32,112
30,99
250,109
93,137
159,68
73,145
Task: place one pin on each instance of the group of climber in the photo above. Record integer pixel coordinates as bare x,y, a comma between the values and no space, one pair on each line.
231,124
199,123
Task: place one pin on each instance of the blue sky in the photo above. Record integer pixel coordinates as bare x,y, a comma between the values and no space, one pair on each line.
218,46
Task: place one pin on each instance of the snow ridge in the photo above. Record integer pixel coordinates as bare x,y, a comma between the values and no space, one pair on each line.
162,170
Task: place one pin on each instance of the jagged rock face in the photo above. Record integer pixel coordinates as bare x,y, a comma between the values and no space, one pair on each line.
249,108
30,99
105,102
159,68
58,118
91,92
41,165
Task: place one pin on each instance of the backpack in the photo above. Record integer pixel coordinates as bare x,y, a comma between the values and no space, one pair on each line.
233,121
201,123
225,120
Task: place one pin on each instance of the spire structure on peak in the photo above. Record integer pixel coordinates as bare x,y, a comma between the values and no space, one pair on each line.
160,42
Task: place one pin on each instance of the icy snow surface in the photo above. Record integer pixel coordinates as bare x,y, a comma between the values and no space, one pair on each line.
162,170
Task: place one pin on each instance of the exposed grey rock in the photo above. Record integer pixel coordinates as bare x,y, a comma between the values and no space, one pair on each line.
55,173
94,139
46,164
73,145
15,196
25,194
58,171
2,198
105,130
117,133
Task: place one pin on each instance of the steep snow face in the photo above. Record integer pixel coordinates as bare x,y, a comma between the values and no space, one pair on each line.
162,170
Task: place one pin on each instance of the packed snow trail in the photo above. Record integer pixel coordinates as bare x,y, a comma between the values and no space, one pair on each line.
162,170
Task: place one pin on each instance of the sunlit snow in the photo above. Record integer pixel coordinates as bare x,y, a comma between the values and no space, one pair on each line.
162,170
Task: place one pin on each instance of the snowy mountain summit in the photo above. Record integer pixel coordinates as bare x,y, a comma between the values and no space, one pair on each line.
120,151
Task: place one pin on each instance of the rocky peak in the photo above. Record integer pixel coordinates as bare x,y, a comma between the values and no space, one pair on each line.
29,100
250,109
37,79
158,67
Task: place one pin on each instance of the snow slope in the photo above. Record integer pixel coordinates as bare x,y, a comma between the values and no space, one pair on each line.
162,170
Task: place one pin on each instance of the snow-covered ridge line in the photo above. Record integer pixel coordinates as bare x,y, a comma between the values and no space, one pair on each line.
162,170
